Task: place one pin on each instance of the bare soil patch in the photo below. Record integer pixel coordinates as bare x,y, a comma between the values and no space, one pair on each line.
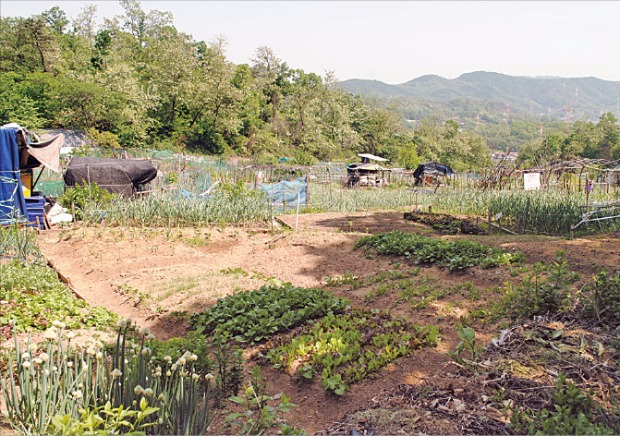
152,275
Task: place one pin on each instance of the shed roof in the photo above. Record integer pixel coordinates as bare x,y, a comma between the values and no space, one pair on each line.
372,157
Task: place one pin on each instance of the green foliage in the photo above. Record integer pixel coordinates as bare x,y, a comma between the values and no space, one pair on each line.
550,213
34,296
174,348
253,316
19,243
85,196
408,157
105,420
602,298
106,140
257,415
468,343
573,412
235,204
63,387
457,255
546,290
345,348
229,361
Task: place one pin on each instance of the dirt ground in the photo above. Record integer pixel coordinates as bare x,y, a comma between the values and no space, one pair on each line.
153,275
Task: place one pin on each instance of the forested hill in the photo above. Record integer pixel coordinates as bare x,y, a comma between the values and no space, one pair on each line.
497,95
136,81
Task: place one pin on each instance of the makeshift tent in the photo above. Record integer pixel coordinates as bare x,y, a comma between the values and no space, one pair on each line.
432,169
118,176
18,155
366,174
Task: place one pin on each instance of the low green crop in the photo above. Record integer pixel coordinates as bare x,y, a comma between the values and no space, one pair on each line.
457,255
253,316
57,387
31,296
346,348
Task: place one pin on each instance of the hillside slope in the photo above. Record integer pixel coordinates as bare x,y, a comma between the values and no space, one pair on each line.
549,98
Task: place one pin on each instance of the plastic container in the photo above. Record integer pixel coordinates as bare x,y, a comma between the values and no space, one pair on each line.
35,209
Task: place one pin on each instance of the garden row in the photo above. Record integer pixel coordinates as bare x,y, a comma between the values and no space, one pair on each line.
545,212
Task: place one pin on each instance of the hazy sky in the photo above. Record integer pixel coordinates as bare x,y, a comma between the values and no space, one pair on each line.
397,41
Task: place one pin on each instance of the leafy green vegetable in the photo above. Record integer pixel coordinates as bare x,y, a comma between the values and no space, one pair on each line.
253,316
32,296
345,348
457,255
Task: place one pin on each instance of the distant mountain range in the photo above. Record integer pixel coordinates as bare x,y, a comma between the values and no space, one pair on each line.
495,97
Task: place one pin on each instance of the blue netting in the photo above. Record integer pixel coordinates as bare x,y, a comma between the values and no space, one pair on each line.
191,196
285,192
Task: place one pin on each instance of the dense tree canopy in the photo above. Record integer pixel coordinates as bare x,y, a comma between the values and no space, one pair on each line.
147,84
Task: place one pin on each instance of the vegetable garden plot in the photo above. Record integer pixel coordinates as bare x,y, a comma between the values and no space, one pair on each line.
347,348
253,316
457,255
445,223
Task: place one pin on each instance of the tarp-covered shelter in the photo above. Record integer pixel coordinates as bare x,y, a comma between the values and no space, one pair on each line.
366,174
18,157
118,176
431,169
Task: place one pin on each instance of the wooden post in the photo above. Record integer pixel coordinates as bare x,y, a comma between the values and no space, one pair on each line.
329,181
297,212
307,189
588,189
527,214
489,221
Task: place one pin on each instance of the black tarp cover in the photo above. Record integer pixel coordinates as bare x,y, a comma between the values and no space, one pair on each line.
432,168
118,176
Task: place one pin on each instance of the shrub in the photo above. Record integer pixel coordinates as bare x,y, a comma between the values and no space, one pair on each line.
81,196
545,291
604,301
574,412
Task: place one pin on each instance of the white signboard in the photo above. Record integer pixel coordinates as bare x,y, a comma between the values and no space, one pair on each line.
531,181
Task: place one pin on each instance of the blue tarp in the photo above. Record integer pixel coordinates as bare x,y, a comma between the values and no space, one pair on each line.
289,192
191,196
12,201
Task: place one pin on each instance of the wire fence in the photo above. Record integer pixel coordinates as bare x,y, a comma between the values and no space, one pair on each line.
553,209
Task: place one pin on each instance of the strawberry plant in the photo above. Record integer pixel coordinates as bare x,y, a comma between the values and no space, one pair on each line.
253,316
345,348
